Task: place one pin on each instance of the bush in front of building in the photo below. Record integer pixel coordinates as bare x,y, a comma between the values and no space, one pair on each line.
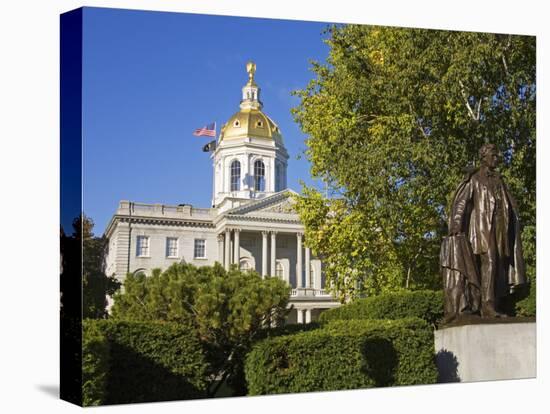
344,355
228,308
131,362
423,304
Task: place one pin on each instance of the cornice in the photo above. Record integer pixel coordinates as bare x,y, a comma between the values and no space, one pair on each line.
278,219
163,221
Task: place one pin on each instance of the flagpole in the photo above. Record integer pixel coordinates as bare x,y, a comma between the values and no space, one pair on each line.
214,169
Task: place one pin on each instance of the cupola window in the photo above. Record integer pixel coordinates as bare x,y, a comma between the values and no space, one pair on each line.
236,124
235,176
279,178
259,175
259,124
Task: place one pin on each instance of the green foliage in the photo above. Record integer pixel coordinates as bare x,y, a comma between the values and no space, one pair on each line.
344,355
227,308
528,305
392,119
96,285
143,361
95,364
423,304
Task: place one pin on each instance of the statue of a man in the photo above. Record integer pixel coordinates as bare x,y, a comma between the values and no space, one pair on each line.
481,259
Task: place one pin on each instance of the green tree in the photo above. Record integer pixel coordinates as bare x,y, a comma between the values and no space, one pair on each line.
393,117
96,285
228,308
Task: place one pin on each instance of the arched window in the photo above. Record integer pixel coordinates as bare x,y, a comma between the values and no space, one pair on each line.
259,175
245,266
140,273
235,176
279,179
279,270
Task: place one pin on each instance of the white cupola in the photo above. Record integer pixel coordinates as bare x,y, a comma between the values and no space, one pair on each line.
250,159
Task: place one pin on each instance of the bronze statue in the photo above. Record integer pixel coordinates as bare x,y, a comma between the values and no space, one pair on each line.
481,259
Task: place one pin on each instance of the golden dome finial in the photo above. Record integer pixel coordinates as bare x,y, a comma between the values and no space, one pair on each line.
251,69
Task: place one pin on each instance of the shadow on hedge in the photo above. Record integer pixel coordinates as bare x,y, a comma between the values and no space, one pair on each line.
380,361
125,382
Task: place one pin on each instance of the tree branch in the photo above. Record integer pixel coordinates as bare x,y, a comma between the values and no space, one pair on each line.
478,109
504,55
463,92
475,116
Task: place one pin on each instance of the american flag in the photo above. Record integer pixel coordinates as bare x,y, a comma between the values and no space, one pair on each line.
206,131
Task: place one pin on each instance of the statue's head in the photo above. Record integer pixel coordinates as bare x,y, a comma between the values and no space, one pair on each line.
489,156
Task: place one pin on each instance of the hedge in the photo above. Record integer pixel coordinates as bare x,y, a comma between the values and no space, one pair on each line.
146,361
95,364
344,355
423,304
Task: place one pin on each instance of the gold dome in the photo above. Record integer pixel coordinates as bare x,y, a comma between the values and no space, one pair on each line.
250,121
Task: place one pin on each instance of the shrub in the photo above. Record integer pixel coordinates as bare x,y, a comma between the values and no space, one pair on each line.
227,308
344,355
95,364
528,305
149,361
423,304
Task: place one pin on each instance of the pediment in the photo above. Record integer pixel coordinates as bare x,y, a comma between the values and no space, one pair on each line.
285,206
277,204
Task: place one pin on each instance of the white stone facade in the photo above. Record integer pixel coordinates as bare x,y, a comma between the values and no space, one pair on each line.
252,222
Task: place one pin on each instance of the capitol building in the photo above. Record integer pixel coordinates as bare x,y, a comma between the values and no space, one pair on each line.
251,223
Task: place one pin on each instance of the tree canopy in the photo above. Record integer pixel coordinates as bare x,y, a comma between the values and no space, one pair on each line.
96,285
228,308
393,117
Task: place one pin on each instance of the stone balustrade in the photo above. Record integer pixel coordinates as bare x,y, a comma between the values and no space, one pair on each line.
163,210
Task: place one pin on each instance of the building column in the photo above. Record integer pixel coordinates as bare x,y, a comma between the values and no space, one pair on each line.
236,247
308,268
308,316
299,316
221,238
299,283
264,253
273,252
227,258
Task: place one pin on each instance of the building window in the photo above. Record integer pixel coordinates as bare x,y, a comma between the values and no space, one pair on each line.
245,266
142,248
259,176
140,273
279,177
172,247
311,277
279,270
248,241
200,249
235,176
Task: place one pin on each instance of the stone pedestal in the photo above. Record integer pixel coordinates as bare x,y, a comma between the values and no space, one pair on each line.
486,351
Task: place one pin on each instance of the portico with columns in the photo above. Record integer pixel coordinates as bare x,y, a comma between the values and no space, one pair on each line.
251,224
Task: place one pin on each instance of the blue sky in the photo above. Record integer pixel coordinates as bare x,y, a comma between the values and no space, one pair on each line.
151,78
